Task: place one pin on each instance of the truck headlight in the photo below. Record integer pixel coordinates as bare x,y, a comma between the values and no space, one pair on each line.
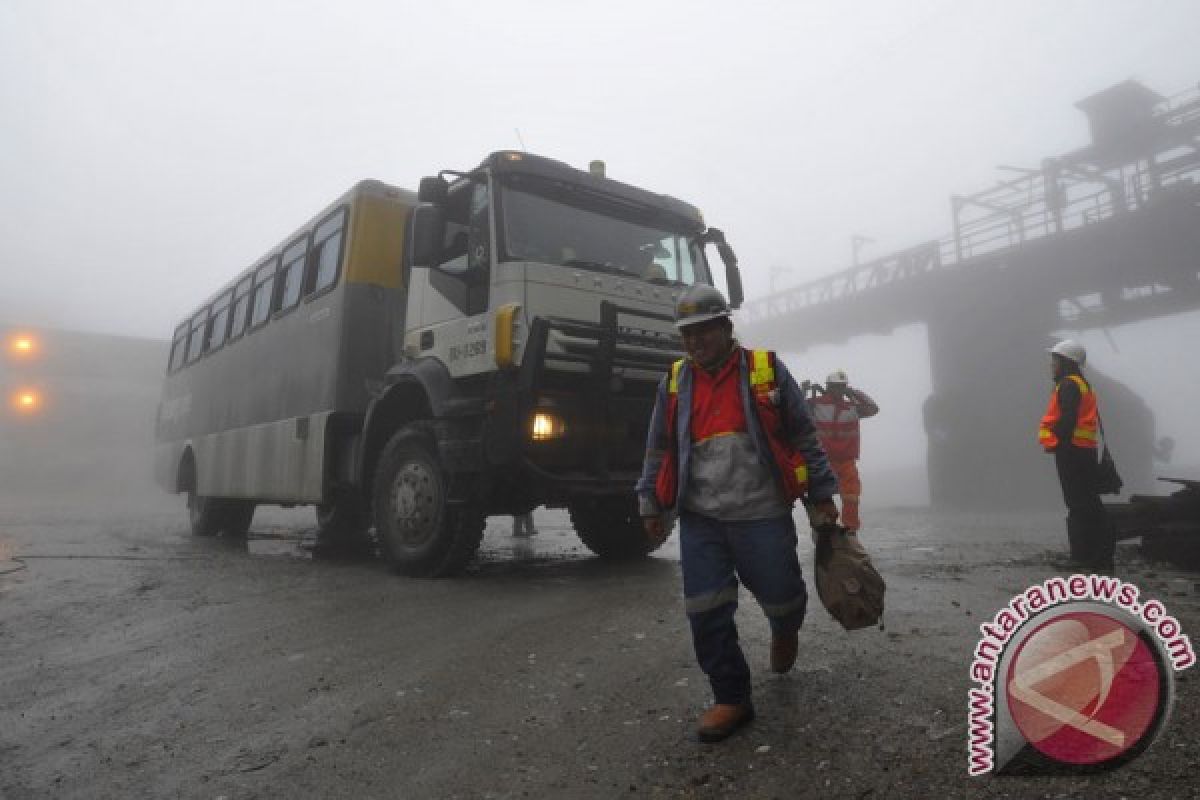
547,426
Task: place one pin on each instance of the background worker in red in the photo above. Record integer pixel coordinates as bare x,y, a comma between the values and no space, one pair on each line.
836,414
1070,431
730,448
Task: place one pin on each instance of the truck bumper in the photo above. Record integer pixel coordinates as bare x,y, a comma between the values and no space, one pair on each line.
602,388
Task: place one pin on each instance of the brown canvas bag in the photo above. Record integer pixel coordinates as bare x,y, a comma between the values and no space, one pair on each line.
850,587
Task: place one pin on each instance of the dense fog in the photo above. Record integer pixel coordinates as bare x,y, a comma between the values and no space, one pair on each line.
161,150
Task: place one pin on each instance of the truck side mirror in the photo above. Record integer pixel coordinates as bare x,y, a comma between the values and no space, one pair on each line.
733,276
428,231
433,190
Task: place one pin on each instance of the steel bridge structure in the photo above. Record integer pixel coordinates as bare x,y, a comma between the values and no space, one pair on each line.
1102,236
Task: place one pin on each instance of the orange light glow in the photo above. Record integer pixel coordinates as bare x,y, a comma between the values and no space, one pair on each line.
22,345
26,401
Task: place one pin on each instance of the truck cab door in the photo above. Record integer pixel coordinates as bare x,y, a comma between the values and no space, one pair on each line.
449,301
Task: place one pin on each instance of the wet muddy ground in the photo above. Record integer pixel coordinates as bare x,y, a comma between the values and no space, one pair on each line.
137,661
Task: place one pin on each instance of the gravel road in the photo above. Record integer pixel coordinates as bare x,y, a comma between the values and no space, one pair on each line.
138,661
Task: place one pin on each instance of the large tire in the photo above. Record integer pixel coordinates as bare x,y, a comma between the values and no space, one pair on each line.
204,514
236,517
611,527
419,533
344,525
212,515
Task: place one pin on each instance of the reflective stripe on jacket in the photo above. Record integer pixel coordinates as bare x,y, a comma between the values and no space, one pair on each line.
777,420
837,425
1087,420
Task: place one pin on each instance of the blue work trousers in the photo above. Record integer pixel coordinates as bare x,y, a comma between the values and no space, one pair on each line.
715,554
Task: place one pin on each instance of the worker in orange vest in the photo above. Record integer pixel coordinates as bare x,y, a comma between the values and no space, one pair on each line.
836,413
1070,430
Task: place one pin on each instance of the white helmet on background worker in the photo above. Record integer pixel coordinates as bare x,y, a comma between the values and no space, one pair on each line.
838,376
1070,350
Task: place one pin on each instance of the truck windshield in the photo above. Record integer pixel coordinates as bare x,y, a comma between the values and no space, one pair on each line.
583,230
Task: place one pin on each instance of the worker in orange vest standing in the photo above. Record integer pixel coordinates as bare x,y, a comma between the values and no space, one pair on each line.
836,413
1070,430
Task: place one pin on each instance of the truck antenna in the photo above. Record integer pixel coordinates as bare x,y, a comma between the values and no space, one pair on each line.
519,139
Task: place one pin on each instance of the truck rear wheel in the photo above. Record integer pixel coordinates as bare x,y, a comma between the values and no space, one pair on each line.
209,516
236,517
204,514
419,533
611,527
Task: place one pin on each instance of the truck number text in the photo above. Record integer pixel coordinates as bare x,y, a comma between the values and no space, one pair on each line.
467,350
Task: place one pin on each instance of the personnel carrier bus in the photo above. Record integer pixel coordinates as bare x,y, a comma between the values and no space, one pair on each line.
414,363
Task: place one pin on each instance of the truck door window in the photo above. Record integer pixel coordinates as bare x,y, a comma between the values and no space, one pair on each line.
675,257
461,273
479,229
456,241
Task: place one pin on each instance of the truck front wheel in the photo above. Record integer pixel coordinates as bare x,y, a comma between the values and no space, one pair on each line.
610,526
344,525
419,532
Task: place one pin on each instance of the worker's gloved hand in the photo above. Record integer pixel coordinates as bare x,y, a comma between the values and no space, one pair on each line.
822,514
657,529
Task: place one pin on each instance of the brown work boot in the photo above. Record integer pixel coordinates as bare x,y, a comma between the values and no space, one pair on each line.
723,719
783,651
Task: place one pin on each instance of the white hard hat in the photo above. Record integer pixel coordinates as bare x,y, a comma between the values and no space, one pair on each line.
837,376
1070,350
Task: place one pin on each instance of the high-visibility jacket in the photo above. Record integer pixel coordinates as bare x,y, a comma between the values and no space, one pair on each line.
837,425
1087,419
791,469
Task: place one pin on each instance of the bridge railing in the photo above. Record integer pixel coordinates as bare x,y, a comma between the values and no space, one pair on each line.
923,259
1064,195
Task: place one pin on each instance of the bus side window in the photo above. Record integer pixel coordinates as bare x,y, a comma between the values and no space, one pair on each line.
178,348
327,251
241,307
294,259
196,337
219,329
264,293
